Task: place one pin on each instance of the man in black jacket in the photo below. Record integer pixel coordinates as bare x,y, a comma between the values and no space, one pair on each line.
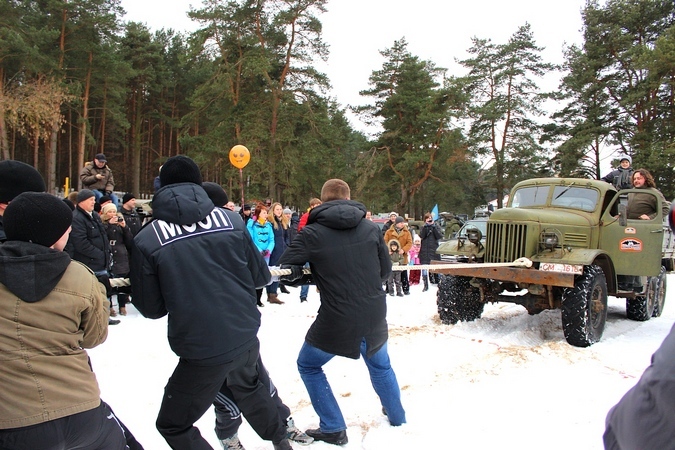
198,264
131,217
349,261
88,240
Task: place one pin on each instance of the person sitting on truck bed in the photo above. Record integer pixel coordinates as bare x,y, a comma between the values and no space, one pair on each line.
645,206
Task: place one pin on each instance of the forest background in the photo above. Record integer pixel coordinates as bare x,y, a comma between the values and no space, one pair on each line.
76,80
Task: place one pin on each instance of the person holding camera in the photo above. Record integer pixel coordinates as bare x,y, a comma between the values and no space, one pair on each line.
120,238
97,177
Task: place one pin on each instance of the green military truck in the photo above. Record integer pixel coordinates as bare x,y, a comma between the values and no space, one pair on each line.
582,247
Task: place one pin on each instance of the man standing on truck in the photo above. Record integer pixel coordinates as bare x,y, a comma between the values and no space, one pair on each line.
645,206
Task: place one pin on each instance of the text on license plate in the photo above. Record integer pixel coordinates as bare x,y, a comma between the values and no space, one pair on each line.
565,268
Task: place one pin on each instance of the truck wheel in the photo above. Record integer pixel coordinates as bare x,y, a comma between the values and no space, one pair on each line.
659,293
458,300
584,308
641,308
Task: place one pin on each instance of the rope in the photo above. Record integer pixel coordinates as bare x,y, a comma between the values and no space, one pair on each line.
520,262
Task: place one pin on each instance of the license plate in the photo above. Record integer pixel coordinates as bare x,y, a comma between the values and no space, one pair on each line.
564,268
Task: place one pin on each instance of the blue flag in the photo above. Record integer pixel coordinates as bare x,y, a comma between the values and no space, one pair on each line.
434,212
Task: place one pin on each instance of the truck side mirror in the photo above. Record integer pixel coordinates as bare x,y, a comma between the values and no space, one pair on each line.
622,215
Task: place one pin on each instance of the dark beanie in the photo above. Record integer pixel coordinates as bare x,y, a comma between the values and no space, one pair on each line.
216,193
37,217
128,196
104,198
84,194
400,219
17,177
179,169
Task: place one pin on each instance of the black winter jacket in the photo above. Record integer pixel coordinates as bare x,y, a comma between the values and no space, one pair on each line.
88,241
349,262
430,235
198,264
120,239
133,220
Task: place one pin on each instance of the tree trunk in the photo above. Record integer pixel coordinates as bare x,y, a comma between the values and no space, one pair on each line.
4,139
84,117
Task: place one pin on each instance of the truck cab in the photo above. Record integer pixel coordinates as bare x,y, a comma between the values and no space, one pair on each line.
578,236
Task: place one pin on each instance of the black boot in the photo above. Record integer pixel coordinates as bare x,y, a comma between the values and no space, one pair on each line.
283,289
405,283
337,438
426,284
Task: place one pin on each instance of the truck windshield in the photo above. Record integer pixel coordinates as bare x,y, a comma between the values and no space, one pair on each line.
575,197
530,196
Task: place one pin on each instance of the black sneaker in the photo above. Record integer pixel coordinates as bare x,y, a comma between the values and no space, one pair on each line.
337,438
303,299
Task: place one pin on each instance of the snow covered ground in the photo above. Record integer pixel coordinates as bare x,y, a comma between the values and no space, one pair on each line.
508,380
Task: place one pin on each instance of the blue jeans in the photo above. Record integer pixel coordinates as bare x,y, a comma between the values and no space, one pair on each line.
98,194
272,287
310,365
304,290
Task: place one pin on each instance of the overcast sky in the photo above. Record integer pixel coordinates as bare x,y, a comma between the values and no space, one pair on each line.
436,30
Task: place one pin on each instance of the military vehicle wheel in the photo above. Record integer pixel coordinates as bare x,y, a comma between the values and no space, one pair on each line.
659,293
641,308
584,308
458,300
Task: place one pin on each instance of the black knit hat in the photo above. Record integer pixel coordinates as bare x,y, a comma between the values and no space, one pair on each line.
17,177
104,198
128,196
37,217
179,169
84,194
216,193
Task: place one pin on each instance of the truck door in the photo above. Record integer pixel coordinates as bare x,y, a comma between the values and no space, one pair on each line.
635,249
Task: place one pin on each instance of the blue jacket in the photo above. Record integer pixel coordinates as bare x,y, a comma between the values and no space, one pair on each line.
262,235
198,264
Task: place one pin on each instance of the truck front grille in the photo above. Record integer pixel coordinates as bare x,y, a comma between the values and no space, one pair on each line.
506,242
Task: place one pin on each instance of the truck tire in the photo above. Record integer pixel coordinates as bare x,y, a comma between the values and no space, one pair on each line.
659,293
458,300
584,308
641,308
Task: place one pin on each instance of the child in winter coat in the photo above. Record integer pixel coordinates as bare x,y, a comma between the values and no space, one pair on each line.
414,260
397,258
622,175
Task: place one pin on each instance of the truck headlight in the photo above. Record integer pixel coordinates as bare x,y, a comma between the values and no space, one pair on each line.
549,240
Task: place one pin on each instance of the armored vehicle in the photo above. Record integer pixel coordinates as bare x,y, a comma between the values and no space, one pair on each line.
582,247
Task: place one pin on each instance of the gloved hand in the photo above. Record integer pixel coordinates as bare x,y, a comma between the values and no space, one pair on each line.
108,192
296,274
265,253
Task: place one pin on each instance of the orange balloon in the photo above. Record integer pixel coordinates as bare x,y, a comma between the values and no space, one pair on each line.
239,156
